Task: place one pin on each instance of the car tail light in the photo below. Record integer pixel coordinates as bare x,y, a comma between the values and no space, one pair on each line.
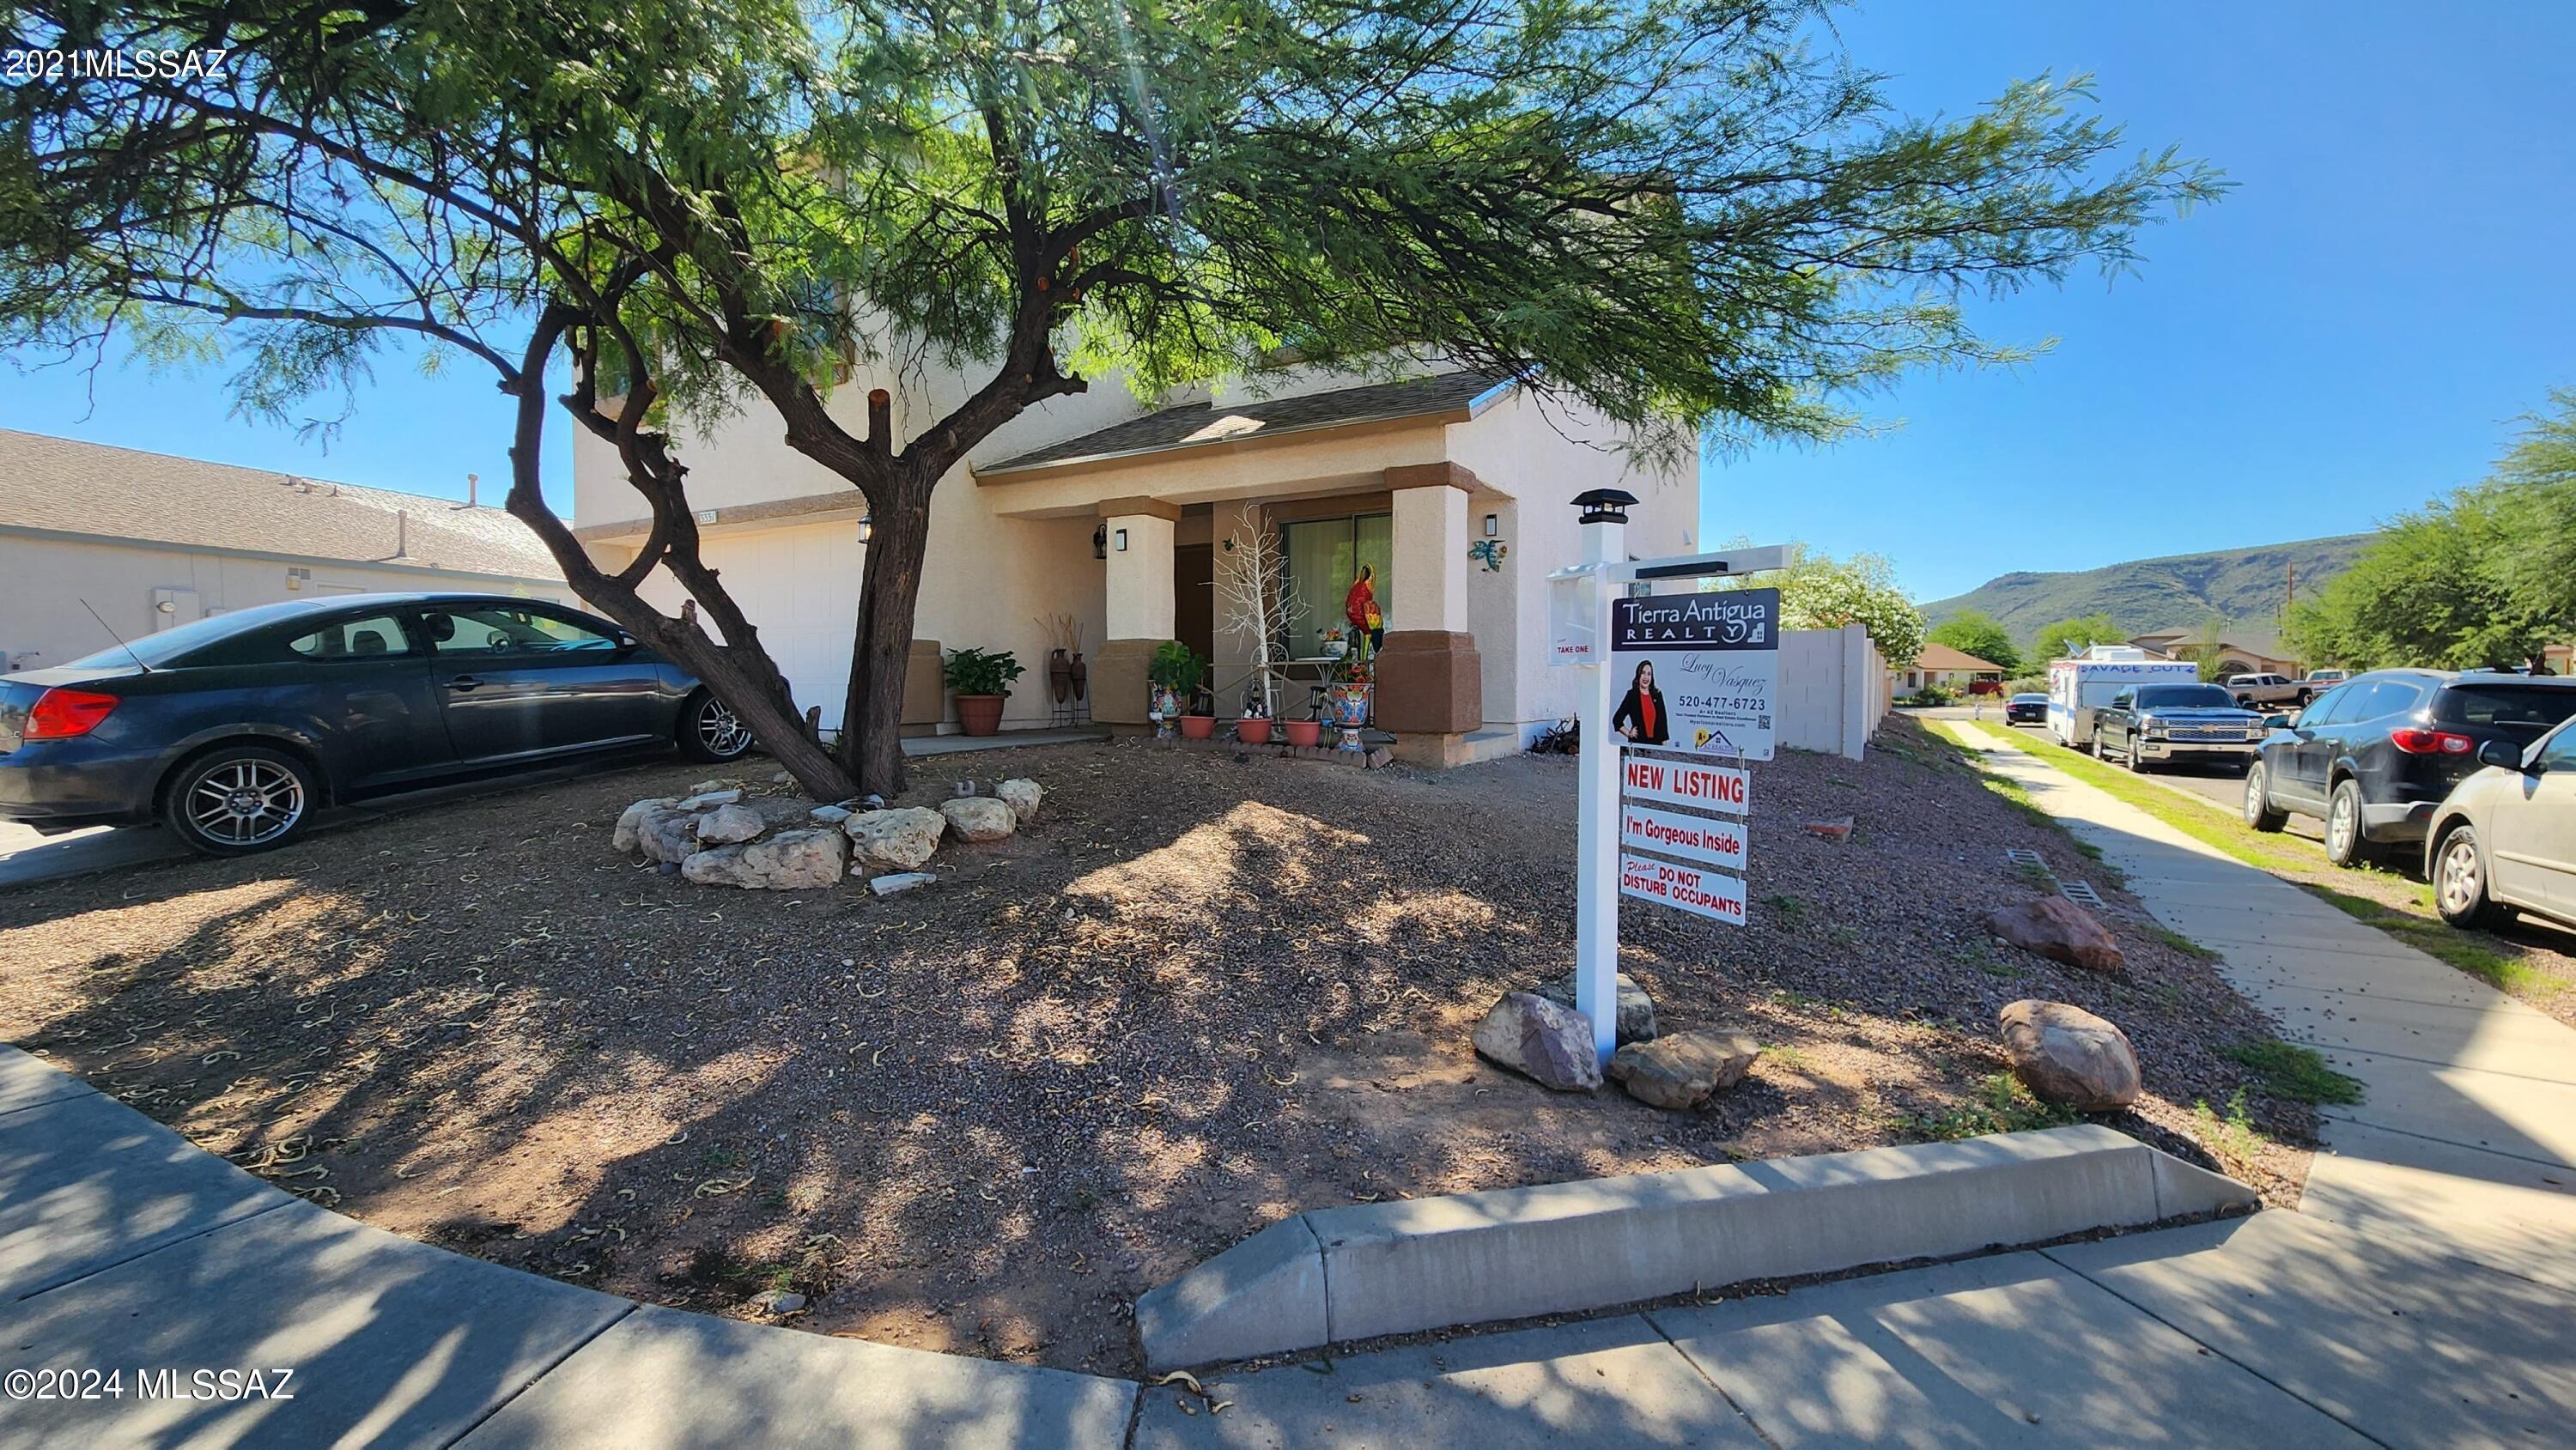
61,714
2416,741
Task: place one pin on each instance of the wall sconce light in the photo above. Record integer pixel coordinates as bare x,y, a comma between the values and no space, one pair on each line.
867,529
1100,542
1493,526
1122,541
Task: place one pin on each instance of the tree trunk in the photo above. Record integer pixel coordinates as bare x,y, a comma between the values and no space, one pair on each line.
881,649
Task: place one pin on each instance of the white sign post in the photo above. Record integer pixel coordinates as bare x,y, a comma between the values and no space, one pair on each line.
1719,651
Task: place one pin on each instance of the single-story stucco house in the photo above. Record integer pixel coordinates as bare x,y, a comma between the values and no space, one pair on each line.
150,541
1949,669
2239,652
1120,515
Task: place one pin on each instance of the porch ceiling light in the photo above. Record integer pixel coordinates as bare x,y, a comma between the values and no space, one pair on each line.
1604,505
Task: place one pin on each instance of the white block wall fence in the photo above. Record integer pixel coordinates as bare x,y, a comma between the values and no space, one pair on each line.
1833,690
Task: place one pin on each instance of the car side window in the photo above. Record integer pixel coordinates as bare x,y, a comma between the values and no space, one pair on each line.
500,629
2559,753
2124,700
368,637
2328,707
2389,697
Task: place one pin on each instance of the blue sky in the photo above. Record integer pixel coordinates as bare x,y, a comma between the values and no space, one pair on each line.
2352,330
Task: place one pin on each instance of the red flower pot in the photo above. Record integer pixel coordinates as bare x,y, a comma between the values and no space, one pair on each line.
1252,730
1198,727
980,714
1303,733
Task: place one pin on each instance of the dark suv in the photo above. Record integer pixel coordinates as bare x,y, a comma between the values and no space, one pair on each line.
2374,756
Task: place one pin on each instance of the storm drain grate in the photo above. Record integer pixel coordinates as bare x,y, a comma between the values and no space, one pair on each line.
2083,894
2025,856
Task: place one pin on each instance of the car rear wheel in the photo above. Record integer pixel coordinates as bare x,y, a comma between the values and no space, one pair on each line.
711,732
2344,843
238,799
2460,880
2260,813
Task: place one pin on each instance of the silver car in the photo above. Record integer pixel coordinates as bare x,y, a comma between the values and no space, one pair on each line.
2506,836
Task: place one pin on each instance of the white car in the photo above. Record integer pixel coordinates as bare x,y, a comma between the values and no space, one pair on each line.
2506,836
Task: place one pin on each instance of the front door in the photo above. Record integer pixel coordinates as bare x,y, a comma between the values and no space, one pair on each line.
1194,598
525,679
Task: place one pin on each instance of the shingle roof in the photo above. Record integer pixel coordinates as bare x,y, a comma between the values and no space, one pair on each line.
119,493
1938,656
1194,424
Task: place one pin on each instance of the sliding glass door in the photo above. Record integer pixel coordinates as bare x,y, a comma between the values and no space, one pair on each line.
1324,555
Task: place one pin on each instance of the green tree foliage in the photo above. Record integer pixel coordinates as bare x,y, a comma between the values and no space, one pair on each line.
2069,636
2205,642
2485,575
1687,216
1974,632
1819,591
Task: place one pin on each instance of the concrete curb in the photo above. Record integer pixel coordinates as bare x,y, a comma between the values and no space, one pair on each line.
1431,1263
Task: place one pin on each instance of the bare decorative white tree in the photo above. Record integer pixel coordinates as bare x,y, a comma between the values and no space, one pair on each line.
1257,599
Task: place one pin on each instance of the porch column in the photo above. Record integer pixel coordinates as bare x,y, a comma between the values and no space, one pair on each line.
1430,681
1140,606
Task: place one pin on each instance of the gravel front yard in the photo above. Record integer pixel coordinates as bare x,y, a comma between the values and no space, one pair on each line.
1198,994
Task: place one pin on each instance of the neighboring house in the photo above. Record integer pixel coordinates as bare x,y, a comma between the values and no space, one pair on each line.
150,541
2239,653
1120,515
1945,668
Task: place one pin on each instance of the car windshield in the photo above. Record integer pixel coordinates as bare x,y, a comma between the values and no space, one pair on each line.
168,646
2522,711
2185,697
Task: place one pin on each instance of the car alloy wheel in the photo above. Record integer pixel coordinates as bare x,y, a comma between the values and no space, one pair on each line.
245,801
2460,886
2343,824
720,731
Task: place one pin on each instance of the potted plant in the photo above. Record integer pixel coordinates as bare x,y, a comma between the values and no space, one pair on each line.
1303,734
1253,728
1176,675
1334,645
1353,690
981,680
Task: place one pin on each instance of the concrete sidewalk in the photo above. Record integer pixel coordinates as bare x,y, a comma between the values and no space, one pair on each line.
126,1250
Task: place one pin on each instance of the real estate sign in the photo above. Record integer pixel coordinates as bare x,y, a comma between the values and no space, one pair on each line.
1693,838
1697,672
1684,782
1703,893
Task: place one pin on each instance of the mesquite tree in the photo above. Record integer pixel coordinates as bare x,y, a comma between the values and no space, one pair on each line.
1686,214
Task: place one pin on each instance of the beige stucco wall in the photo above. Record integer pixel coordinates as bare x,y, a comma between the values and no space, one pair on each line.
1544,454
47,577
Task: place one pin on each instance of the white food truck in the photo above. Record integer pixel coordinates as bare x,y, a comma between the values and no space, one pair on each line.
2076,686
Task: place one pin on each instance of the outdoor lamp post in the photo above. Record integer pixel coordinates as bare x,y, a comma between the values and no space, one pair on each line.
1596,926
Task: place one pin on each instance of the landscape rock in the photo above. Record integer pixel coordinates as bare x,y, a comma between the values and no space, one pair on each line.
1686,1069
2068,1056
668,834
1022,796
626,838
788,861
727,824
894,882
1636,1009
2059,929
979,818
776,1301
898,840
1536,1037
784,777
831,815
709,787
707,800
1837,828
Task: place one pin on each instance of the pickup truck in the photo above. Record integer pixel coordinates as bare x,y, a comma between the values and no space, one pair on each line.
2268,690
2159,724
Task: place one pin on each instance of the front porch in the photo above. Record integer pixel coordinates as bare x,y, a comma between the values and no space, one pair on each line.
1174,521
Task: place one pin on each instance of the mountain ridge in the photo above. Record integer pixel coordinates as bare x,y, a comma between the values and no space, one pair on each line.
2245,588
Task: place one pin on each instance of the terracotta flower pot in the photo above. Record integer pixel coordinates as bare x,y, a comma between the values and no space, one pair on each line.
979,714
1253,730
1303,733
1198,727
